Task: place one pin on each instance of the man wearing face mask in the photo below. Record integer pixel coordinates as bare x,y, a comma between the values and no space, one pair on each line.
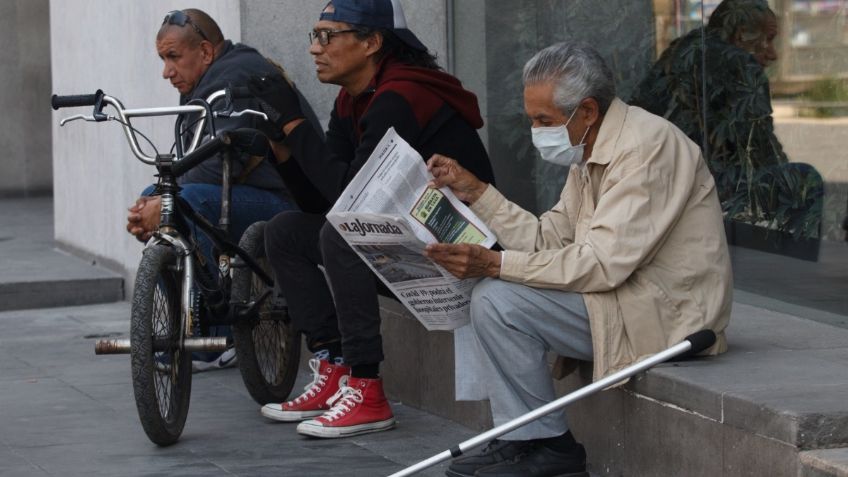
630,261
555,146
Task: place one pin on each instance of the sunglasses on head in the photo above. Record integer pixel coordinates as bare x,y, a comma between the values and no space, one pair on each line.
179,18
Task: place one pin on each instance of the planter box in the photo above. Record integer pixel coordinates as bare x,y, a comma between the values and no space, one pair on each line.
759,238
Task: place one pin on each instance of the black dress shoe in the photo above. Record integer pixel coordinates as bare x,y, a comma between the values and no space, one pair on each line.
541,462
495,452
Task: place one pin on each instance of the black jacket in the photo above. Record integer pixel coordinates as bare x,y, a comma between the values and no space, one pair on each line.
428,108
236,64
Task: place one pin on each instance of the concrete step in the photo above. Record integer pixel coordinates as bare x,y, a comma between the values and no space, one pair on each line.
57,280
779,393
34,274
824,463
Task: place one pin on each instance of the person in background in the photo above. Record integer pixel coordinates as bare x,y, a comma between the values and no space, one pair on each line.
727,110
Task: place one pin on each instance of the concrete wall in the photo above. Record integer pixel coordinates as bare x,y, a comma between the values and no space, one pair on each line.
469,33
110,45
25,76
621,30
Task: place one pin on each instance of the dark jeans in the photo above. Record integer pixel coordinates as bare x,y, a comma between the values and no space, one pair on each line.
247,205
296,244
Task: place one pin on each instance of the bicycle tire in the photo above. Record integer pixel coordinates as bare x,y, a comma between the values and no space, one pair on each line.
161,379
267,347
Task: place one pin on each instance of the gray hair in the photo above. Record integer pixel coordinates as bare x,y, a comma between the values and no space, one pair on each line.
577,71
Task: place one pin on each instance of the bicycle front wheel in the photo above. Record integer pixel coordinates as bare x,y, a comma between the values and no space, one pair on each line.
267,347
161,371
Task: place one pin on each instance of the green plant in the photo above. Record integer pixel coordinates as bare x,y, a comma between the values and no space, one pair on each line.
727,110
826,90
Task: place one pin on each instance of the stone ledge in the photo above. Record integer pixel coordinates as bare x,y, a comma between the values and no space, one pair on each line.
778,392
784,378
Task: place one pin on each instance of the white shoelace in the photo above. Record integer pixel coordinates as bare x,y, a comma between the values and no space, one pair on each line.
318,381
345,399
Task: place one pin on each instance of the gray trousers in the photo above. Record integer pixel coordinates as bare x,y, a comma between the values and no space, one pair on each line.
502,356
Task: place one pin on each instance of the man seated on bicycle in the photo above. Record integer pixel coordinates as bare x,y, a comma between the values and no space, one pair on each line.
388,79
199,61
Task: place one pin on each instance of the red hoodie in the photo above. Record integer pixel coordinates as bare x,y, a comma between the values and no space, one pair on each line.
425,90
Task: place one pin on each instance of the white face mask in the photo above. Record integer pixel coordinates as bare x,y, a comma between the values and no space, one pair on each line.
555,146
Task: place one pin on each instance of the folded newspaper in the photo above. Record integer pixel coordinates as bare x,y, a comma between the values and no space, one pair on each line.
388,215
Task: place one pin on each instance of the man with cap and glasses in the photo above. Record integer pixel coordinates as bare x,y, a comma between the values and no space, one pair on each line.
199,61
387,79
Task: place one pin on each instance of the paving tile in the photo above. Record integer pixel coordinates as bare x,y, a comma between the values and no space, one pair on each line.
67,412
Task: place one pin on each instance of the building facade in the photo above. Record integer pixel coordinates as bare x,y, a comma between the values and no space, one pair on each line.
110,45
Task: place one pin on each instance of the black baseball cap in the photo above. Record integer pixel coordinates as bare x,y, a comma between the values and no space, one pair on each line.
386,14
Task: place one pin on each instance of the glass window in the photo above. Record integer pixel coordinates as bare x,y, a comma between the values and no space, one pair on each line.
761,85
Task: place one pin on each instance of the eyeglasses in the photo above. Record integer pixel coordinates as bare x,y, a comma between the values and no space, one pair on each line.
179,18
323,36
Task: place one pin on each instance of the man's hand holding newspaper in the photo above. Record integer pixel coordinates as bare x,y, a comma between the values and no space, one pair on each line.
448,173
461,260
392,211
464,260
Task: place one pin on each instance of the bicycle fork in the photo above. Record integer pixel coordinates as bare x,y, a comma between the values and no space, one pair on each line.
186,342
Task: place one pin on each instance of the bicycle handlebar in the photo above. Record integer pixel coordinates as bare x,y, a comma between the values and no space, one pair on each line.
99,100
75,100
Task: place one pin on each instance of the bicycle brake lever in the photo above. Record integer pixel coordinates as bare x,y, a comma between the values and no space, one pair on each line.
91,119
75,118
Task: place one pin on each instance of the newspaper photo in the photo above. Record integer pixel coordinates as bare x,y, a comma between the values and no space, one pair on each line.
390,248
388,215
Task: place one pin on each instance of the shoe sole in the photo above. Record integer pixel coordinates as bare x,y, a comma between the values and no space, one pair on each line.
289,416
306,428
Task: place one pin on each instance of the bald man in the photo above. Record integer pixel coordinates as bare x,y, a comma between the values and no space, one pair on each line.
197,62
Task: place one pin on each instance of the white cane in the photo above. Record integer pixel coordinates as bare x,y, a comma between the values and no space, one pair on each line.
693,344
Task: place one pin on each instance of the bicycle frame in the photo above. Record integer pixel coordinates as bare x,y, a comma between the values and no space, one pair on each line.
175,212
172,210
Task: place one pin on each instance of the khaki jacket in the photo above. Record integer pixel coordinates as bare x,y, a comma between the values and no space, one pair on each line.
637,230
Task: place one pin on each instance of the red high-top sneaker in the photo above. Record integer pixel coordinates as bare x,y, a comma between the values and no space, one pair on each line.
359,407
313,401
